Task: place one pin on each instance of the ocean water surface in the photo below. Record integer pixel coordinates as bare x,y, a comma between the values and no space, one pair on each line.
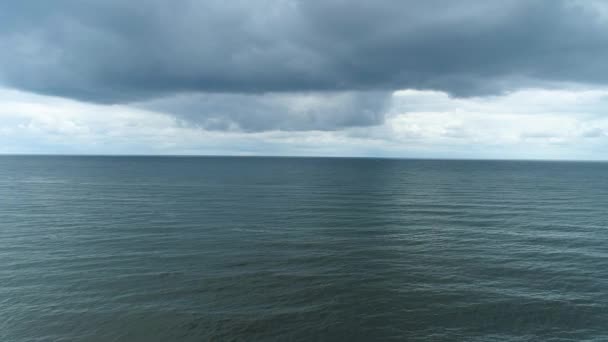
302,249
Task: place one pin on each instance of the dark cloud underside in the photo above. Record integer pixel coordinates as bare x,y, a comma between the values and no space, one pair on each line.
278,111
121,51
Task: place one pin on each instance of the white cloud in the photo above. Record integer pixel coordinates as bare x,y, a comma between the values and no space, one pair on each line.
566,123
535,123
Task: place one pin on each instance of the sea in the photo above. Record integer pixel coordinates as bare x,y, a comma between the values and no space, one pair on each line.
100,248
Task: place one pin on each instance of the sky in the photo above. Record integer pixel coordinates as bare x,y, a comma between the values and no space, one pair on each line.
508,79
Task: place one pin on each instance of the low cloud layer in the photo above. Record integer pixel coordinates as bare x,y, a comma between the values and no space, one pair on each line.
115,51
532,123
324,111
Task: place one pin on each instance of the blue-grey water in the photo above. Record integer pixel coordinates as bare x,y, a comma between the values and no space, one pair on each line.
302,249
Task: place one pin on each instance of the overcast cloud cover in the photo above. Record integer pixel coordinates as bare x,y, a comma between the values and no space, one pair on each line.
472,78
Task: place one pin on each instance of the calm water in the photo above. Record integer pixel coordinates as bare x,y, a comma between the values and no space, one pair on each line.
288,249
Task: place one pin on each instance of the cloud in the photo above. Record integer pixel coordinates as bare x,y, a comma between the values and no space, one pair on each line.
473,78
115,51
275,111
529,123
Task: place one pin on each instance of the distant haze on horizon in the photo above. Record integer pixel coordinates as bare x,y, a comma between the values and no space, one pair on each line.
514,79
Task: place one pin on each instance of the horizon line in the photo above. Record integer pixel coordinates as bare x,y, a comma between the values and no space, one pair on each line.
3,154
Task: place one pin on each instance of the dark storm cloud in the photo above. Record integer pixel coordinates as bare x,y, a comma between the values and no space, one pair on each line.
275,111
123,51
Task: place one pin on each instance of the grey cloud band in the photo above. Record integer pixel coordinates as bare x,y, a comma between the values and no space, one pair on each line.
237,57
